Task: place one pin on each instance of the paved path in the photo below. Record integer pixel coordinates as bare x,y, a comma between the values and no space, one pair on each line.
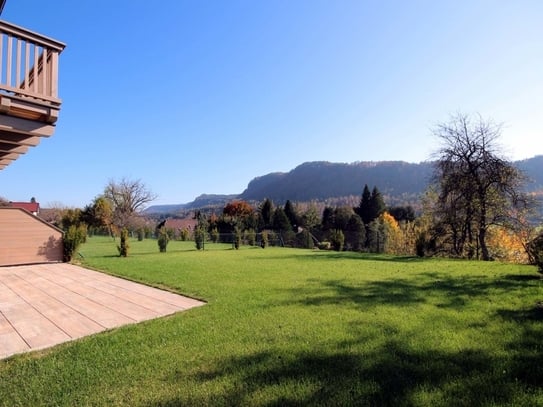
47,304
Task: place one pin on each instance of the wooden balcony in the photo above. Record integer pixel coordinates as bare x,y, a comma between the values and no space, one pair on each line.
29,102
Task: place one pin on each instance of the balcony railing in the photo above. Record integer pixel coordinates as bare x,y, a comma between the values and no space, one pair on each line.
29,64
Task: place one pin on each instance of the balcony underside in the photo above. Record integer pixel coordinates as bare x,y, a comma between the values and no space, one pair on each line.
23,122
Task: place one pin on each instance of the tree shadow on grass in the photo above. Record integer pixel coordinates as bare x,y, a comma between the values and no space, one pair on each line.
527,366
392,375
523,277
334,256
443,291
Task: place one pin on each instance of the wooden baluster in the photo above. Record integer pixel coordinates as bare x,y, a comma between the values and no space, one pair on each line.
35,71
2,35
9,60
54,74
27,65
18,62
44,71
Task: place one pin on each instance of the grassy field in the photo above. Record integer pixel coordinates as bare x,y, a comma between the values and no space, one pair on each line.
301,327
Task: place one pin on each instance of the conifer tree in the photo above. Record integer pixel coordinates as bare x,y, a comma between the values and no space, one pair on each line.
363,209
377,204
266,212
291,215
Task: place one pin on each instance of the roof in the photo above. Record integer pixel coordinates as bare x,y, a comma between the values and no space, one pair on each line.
32,207
180,224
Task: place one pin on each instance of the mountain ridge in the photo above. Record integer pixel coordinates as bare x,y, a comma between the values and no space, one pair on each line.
400,181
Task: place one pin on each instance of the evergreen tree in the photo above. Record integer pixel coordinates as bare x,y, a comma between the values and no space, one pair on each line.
355,234
310,219
266,212
377,204
327,218
342,216
402,213
291,215
363,209
280,220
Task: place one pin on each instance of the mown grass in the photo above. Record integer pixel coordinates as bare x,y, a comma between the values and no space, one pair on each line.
300,327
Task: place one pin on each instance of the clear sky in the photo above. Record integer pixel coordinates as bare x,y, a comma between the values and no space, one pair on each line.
198,97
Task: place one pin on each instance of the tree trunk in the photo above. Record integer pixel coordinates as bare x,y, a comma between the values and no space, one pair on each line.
482,242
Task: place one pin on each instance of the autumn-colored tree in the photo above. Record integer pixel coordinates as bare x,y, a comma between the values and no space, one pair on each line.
478,188
505,245
99,213
385,235
394,237
237,209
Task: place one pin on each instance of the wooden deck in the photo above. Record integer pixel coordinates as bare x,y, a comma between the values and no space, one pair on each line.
45,305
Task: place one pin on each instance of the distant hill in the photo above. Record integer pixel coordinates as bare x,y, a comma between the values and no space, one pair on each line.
400,182
202,201
322,180
533,168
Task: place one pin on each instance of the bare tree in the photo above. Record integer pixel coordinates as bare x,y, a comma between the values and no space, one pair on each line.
477,187
128,198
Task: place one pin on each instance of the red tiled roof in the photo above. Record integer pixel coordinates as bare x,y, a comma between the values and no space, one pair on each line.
32,207
181,223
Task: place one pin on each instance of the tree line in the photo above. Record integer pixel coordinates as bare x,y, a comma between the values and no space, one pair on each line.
475,207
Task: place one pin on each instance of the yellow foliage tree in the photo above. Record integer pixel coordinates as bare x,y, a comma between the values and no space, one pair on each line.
505,245
393,236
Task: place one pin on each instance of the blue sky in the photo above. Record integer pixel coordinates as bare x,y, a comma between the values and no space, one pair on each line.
198,97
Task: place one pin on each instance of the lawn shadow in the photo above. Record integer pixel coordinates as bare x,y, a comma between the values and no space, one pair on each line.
329,255
439,289
523,277
391,375
532,314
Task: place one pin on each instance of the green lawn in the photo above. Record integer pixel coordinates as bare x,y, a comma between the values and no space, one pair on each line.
301,327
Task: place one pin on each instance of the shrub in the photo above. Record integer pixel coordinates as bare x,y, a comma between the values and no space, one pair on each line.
324,245
337,239
237,238
141,234
199,236
215,235
124,246
535,252
250,237
304,240
72,239
264,241
163,240
185,234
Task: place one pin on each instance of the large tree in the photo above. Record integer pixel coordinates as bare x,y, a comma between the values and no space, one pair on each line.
363,209
266,213
477,187
128,197
371,205
292,216
99,213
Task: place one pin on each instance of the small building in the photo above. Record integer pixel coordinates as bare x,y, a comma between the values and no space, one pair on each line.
27,239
